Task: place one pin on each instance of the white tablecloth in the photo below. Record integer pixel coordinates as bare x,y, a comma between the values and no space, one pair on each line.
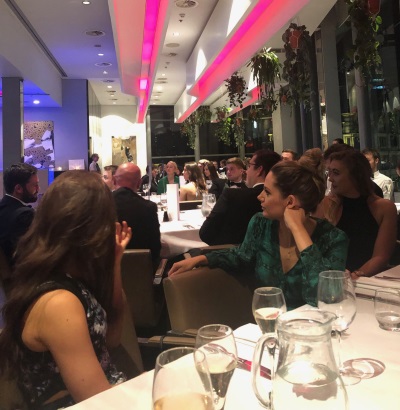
179,236
365,340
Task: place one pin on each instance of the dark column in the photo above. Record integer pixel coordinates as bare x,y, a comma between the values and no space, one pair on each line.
13,120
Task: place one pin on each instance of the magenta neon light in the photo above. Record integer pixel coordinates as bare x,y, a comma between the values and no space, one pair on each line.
143,84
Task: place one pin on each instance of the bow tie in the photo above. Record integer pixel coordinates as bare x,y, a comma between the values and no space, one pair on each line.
234,184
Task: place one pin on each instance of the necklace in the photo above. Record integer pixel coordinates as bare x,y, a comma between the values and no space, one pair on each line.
290,250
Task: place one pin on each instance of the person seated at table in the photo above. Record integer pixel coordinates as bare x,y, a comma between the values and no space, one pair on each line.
171,178
140,214
66,304
228,220
217,183
368,220
195,186
314,157
284,246
289,155
235,170
145,179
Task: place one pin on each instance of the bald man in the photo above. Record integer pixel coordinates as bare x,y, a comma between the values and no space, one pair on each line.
139,213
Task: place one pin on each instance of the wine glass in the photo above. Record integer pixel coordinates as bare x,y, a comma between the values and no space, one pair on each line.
218,344
336,295
182,380
268,304
211,200
146,188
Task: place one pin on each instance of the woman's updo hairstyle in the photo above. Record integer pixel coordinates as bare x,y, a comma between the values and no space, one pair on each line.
302,181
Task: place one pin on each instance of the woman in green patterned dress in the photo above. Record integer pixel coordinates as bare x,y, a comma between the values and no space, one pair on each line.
284,246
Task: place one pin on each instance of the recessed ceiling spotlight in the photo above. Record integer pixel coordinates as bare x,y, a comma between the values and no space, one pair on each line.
175,34
36,101
109,86
114,102
159,88
95,33
105,72
100,54
86,2
163,75
112,95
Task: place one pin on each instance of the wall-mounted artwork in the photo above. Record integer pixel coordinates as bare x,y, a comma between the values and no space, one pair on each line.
39,143
123,150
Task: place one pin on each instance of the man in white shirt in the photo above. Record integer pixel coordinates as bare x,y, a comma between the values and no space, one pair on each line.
383,181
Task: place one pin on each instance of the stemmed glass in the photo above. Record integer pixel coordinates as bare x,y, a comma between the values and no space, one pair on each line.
211,200
182,380
218,344
146,188
336,295
268,304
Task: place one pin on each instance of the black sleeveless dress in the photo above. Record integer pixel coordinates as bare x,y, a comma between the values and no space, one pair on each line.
360,226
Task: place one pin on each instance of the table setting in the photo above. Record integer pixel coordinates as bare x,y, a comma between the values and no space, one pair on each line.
298,359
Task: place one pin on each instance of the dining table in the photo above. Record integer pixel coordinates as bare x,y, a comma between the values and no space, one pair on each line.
179,236
364,346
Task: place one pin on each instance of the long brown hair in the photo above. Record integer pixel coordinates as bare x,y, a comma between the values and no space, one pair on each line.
196,175
73,232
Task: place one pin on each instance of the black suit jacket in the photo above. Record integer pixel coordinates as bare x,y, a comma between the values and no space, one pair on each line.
218,185
227,222
15,219
141,215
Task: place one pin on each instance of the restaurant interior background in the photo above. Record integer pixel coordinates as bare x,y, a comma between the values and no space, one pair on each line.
89,84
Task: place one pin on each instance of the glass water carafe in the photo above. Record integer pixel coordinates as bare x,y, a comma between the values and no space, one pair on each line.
306,376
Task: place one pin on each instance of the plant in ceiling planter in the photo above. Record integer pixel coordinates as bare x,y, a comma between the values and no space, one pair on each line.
297,65
265,67
237,90
203,115
188,128
238,129
224,125
255,114
364,52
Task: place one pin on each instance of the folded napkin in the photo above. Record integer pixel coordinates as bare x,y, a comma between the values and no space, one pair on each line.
367,286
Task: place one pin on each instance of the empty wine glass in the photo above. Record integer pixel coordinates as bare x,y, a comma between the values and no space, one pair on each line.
387,309
182,381
211,200
268,304
336,295
146,189
218,344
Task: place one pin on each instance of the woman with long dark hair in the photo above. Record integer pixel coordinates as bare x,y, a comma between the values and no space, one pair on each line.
195,186
284,246
66,302
217,184
368,220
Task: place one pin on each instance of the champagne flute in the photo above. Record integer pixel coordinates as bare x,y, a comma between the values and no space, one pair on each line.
182,381
218,344
336,295
268,304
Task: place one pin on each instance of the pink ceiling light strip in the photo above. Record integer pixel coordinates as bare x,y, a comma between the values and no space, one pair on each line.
155,15
264,20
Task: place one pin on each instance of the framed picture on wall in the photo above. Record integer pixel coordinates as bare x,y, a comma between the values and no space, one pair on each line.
39,144
123,150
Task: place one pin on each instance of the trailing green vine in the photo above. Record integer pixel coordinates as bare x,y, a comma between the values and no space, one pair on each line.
237,90
364,52
297,65
200,117
224,125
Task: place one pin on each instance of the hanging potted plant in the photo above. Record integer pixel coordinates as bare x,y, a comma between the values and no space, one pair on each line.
224,125
365,52
188,128
237,90
203,115
265,67
297,66
238,129
294,38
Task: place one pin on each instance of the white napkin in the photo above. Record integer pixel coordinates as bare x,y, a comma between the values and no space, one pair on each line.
173,202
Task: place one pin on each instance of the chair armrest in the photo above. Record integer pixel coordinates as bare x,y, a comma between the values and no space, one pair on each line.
160,271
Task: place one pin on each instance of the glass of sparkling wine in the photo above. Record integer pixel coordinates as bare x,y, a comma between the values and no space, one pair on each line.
387,309
268,304
218,344
182,381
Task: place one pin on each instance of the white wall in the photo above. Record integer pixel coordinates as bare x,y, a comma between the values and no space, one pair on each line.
119,121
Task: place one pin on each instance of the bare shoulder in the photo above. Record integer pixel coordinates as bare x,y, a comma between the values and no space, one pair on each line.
48,313
382,209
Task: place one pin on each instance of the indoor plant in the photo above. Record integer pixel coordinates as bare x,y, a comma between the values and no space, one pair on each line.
237,89
297,65
365,49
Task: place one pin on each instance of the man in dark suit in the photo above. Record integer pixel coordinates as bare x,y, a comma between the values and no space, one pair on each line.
21,185
139,213
227,222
